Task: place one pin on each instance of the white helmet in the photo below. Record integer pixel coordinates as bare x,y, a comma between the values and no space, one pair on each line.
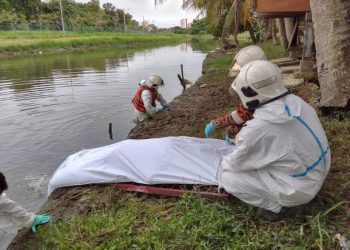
244,56
258,83
155,81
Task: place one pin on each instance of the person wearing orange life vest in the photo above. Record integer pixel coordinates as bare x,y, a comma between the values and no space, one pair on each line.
146,97
235,120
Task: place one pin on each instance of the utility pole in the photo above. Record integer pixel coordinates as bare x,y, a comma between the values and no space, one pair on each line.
124,22
62,21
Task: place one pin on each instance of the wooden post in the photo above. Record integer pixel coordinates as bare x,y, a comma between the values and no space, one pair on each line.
110,131
306,64
182,72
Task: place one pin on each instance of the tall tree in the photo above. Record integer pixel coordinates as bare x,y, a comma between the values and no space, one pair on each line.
232,22
29,8
282,33
4,5
332,39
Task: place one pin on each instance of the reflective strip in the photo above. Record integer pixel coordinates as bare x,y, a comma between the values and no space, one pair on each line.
236,118
315,137
323,153
312,166
264,83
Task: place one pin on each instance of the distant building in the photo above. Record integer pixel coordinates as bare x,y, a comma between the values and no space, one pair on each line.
184,24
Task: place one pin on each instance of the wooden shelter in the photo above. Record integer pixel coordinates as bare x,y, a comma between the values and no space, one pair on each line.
300,11
282,8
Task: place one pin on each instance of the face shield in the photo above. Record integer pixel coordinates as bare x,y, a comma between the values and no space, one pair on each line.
232,91
234,71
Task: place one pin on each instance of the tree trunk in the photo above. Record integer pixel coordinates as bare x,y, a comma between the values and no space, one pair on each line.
231,25
251,33
235,30
289,24
273,31
282,33
268,29
332,39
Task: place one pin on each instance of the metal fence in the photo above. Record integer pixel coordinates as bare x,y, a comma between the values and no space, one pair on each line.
78,28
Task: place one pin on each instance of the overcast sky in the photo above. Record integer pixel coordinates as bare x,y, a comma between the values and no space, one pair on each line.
168,14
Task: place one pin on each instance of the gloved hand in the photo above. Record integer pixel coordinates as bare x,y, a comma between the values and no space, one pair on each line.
209,129
228,140
40,219
166,106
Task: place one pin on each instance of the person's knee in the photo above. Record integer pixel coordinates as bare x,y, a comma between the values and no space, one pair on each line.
248,190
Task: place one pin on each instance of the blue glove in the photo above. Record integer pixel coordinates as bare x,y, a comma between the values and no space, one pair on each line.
166,106
228,140
40,219
209,129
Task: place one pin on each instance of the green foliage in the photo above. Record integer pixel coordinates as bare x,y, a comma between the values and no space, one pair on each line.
4,5
179,30
77,16
200,26
273,51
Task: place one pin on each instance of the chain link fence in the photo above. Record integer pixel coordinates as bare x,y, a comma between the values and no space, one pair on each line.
56,27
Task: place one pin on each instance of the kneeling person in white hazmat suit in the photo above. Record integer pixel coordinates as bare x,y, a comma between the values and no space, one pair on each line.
146,96
282,156
16,214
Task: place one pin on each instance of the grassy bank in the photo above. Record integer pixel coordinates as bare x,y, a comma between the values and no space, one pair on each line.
102,217
22,42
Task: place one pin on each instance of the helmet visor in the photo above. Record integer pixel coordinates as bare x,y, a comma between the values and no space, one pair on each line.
235,70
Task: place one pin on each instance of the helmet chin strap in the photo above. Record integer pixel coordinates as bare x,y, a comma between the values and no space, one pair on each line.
256,104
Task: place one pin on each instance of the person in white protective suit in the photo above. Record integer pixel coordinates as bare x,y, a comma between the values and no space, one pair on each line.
16,214
234,121
244,56
282,156
146,97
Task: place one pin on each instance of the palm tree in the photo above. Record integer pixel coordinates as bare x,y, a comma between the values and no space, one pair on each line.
332,39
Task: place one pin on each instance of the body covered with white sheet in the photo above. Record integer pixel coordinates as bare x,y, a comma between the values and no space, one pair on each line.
169,160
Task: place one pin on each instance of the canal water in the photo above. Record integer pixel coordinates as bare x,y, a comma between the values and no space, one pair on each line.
52,106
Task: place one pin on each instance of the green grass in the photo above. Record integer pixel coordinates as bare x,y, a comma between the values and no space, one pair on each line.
190,223
221,64
16,41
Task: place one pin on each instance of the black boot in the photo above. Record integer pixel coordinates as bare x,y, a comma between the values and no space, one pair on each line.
273,217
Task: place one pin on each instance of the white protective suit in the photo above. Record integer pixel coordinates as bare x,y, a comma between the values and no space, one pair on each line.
147,101
12,217
281,157
14,213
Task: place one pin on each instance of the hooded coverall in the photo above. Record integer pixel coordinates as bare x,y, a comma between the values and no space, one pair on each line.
10,211
146,97
281,157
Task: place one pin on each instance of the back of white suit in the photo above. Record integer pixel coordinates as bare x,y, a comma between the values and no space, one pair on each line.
281,157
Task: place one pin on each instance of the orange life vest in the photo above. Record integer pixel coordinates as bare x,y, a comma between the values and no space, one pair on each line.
138,102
